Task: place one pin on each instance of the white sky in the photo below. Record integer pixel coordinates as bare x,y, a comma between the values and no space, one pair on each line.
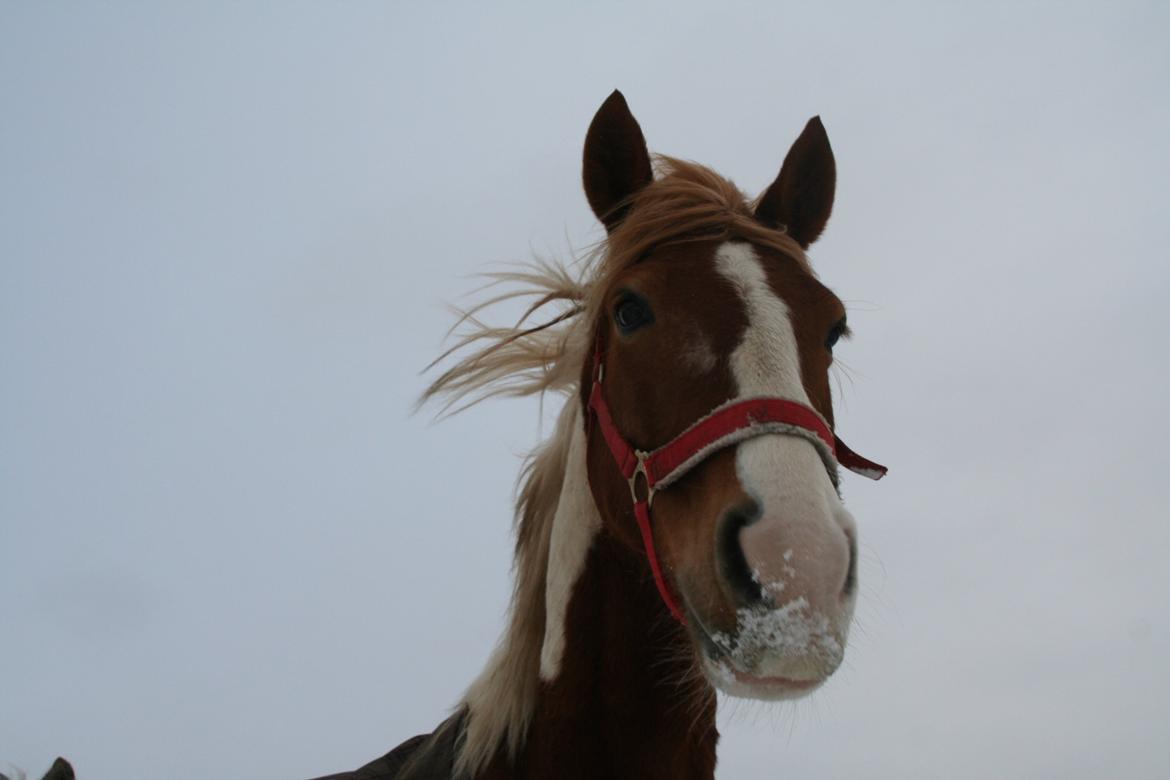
228,549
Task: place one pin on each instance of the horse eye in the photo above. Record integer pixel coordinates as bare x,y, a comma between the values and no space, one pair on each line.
632,313
835,333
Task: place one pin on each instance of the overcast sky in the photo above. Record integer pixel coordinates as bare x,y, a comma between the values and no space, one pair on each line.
226,234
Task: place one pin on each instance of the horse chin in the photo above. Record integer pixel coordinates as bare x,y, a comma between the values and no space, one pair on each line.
725,677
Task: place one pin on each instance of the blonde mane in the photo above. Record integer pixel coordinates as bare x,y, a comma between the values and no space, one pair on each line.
686,202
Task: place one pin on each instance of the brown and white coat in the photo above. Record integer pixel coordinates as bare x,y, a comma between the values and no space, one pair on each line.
698,296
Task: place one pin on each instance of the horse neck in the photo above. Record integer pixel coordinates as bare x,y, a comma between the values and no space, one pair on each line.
627,701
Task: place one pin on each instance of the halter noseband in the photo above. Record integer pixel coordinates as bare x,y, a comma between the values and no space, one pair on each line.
723,426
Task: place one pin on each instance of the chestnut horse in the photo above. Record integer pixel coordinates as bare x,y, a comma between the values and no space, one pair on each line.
682,530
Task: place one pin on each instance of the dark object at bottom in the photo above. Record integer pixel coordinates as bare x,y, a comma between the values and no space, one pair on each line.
425,757
60,770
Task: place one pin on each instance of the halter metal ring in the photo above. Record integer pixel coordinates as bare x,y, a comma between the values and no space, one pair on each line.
632,480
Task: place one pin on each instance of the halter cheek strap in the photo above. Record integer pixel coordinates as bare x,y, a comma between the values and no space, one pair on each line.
729,424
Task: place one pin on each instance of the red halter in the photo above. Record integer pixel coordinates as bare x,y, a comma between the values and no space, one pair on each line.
729,424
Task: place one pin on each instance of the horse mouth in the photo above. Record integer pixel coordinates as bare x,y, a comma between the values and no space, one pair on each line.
726,675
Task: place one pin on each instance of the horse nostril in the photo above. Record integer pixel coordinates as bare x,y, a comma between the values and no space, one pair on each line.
851,574
736,572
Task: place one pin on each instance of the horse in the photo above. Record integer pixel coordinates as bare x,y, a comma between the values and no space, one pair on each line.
681,531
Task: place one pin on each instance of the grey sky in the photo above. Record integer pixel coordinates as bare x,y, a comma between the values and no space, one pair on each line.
227,549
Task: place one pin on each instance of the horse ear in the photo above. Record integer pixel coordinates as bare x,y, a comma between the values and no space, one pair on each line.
617,164
60,770
801,198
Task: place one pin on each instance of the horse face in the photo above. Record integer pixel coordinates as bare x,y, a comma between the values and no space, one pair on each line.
755,539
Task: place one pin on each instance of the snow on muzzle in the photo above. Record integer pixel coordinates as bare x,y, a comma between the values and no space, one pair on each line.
798,546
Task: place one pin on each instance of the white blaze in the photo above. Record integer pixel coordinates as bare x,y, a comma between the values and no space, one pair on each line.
798,547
